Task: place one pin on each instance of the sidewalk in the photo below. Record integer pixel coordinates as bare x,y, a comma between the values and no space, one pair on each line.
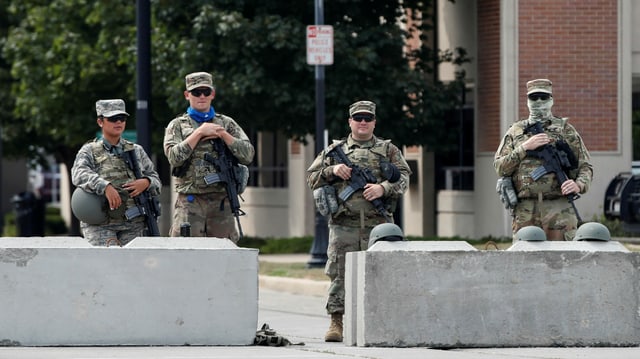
309,287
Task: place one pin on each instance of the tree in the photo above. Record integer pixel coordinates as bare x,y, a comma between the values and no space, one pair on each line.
64,55
61,65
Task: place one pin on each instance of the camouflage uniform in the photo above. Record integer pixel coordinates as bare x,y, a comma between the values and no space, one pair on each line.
203,206
541,203
350,226
99,164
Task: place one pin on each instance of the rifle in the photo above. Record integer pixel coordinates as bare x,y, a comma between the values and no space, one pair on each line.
146,204
224,165
359,178
554,161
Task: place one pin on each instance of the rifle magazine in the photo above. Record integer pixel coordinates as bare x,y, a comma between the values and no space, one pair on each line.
538,172
346,193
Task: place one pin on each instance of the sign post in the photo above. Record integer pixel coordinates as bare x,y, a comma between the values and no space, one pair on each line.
319,53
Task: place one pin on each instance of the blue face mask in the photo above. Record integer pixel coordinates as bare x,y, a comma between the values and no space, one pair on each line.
201,116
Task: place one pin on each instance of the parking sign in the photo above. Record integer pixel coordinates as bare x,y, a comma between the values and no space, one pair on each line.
320,45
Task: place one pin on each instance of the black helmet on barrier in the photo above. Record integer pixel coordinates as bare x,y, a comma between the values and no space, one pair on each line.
592,231
88,207
385,232
531,233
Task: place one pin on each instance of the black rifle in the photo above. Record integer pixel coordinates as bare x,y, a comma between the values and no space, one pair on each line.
224,164
359,178
554,161
146,204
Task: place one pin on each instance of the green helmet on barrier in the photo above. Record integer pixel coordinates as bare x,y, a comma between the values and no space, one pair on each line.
385,232
592,231
88,207
531,233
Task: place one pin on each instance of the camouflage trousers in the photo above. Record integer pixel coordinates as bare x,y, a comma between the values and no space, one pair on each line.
342,239
555,216
106,235
207,214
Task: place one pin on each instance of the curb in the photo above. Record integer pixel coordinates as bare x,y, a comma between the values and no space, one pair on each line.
294,286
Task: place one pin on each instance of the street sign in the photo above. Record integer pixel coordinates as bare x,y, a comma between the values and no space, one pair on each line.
320,45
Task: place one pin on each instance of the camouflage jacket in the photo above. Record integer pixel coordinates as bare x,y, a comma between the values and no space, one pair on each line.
99,164
366,155
179,153
512,160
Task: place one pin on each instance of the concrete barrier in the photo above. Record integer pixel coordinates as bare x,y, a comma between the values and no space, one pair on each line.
535,294
154,291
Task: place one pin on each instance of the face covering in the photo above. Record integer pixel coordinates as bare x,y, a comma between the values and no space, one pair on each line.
201,117
540,109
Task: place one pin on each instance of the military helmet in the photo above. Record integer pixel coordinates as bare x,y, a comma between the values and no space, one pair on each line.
531,233
88,207
592,231
385,232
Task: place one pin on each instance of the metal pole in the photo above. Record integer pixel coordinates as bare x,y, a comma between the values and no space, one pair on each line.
321,239
1,184
143,69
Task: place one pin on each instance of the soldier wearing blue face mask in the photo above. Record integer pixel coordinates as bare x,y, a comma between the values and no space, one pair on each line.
189,141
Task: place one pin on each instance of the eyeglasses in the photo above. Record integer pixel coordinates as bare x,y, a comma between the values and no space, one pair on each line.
539,96
197,92
116,118
365,118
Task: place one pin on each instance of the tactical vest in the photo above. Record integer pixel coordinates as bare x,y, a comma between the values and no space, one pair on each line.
193,179
364,157
115,170
547,185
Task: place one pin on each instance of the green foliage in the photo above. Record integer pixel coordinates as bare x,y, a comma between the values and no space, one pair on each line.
615,226
63,55
10,229
54,224
278,245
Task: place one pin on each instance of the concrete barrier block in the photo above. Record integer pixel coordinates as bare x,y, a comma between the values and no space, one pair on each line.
355,273
421,246
43,242
182,242
450,299
147,293
586,246
353,295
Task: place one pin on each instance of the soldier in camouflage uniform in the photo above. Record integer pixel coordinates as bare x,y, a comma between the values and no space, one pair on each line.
100,168
187,139
543,203
353,219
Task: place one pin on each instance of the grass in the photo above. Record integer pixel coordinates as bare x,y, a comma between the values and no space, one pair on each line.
292,270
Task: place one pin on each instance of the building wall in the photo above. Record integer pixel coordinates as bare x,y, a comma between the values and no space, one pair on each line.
585,49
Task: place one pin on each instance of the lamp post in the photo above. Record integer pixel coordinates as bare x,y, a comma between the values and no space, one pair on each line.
143,70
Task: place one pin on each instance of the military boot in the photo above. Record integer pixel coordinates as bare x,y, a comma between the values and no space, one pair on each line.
334,334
